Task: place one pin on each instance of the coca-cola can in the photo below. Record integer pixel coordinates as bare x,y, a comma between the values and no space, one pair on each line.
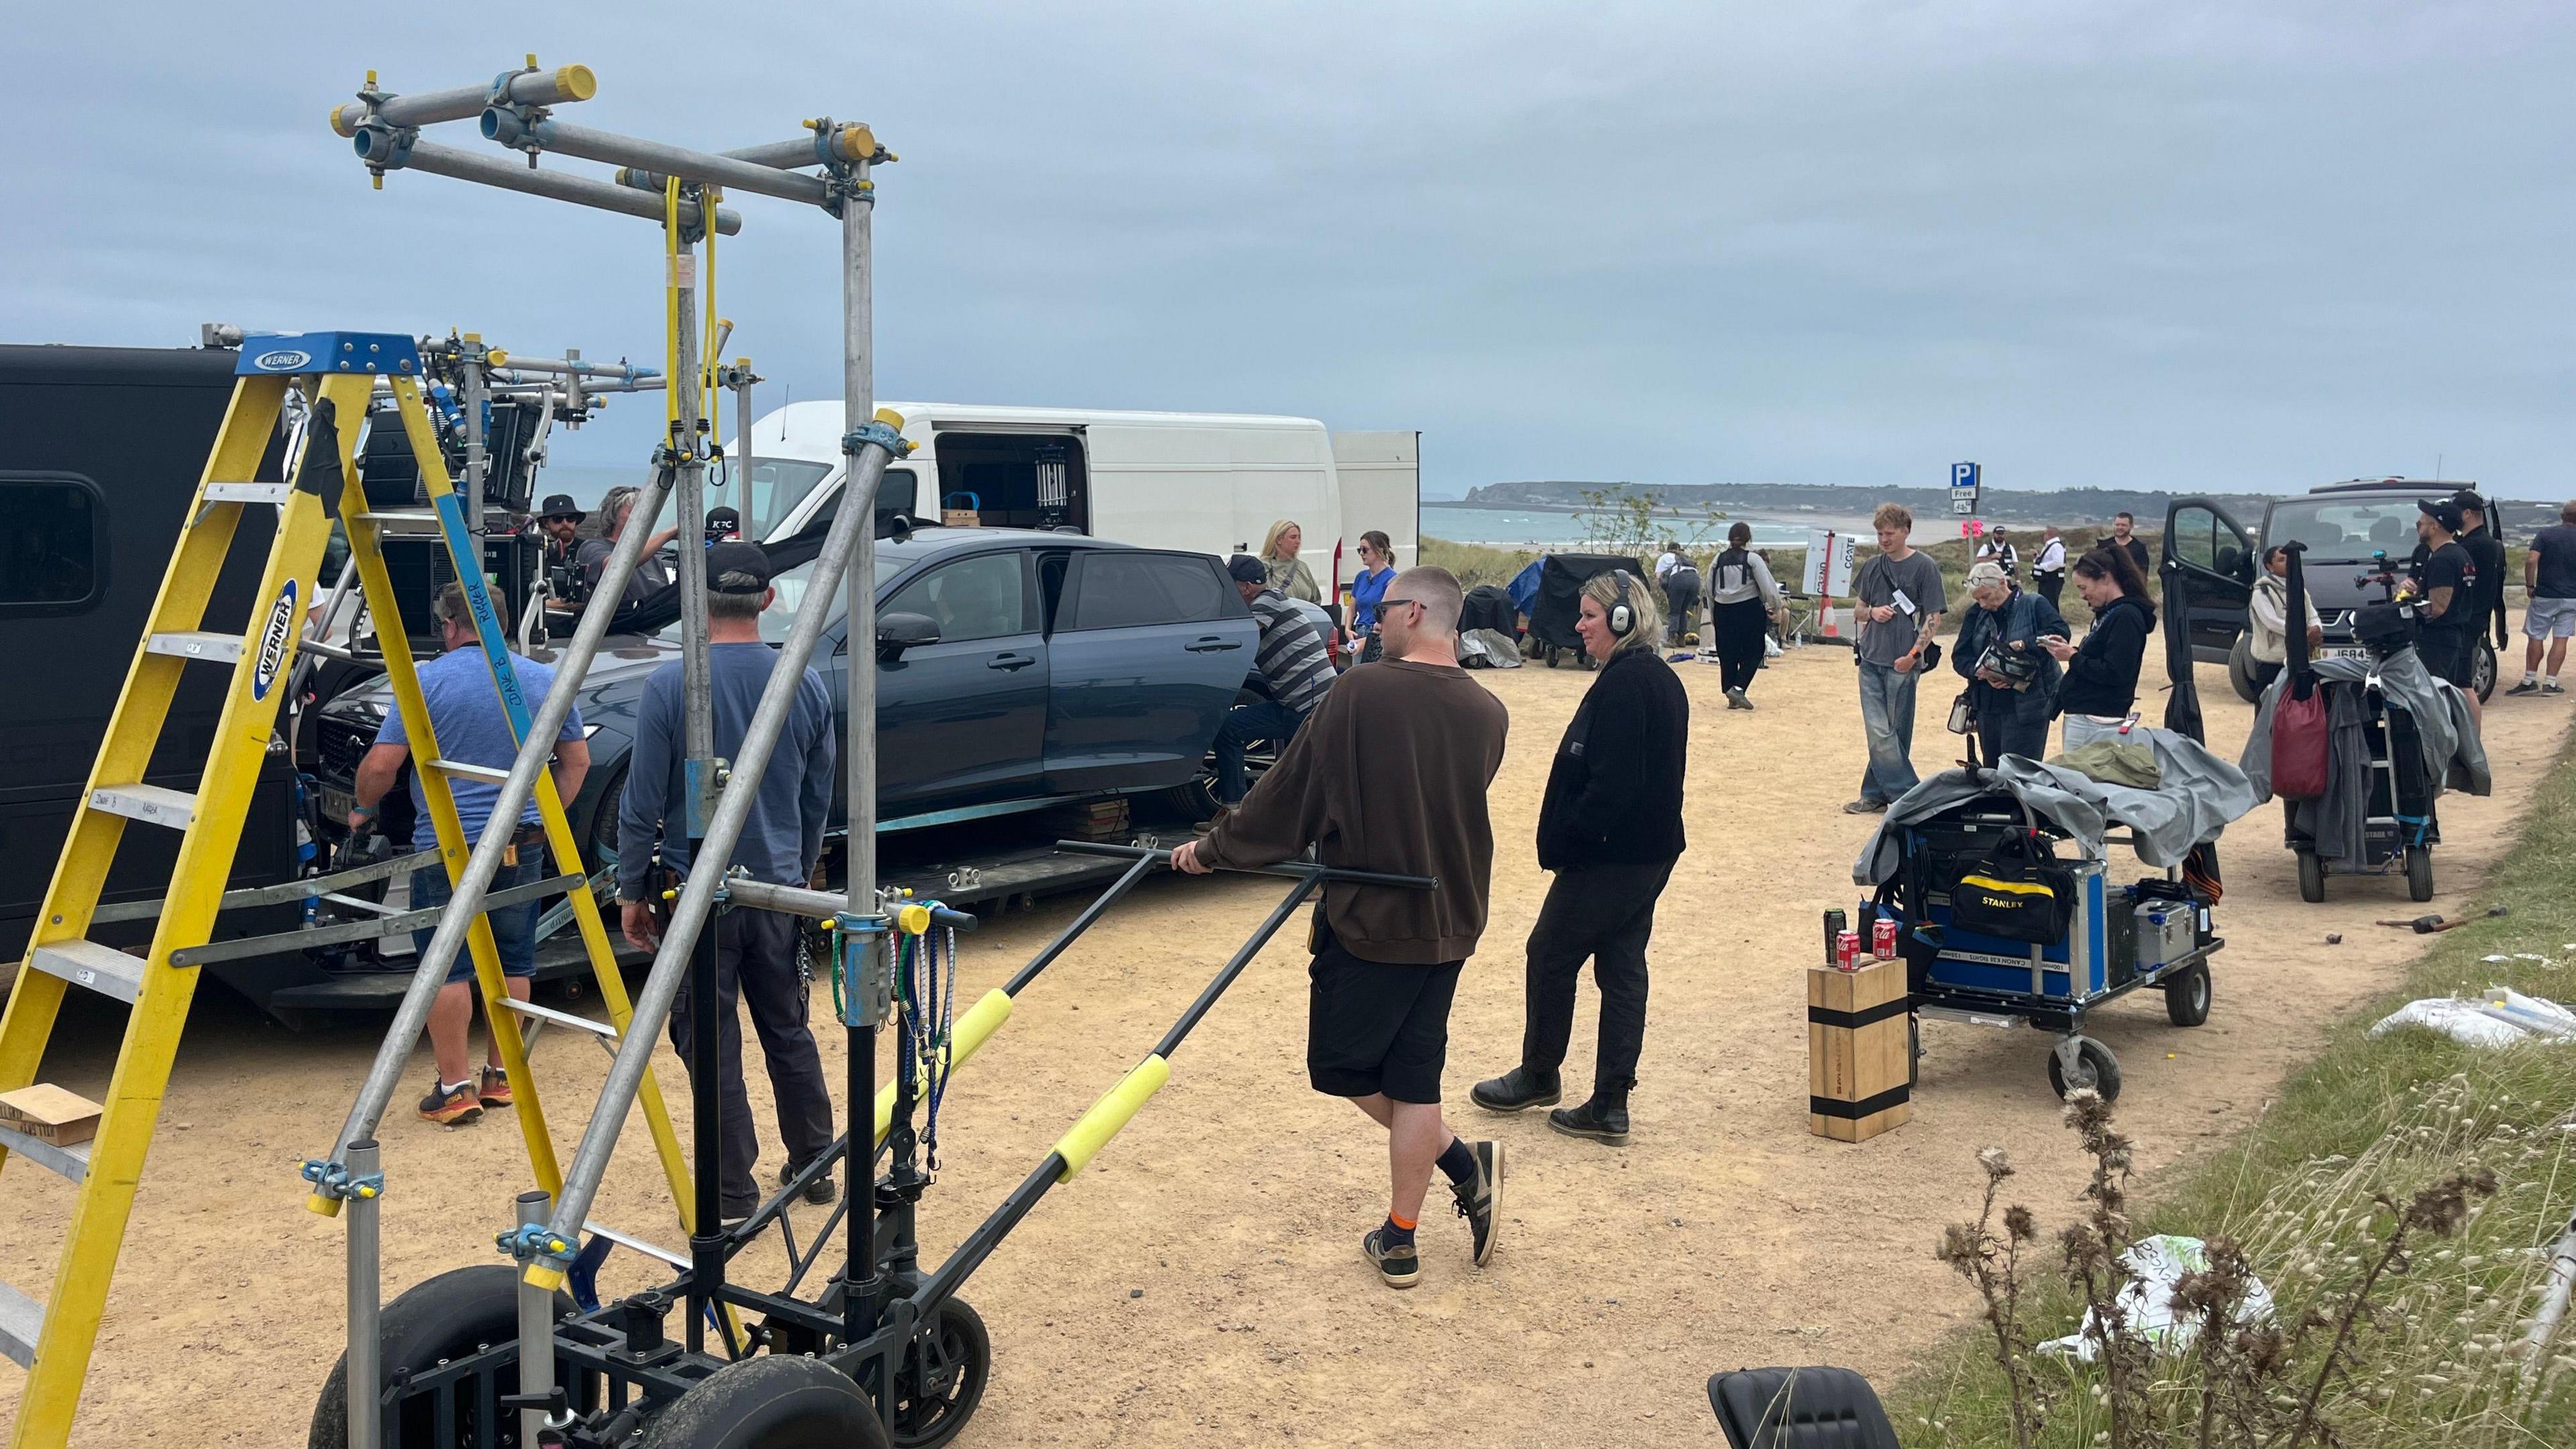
1883,939
1847,951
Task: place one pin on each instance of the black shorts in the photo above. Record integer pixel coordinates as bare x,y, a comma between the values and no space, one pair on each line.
1374,1028
2448,654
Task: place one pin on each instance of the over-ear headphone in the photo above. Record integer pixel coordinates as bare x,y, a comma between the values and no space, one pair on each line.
1622,617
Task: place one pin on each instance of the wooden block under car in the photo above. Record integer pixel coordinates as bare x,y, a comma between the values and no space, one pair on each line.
49,1114
1859,1051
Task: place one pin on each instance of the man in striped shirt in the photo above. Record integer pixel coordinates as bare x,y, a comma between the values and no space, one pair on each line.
1294,671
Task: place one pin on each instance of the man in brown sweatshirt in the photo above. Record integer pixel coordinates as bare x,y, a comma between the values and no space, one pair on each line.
1390,774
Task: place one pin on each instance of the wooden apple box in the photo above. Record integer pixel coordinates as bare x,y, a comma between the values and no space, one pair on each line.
1860,1051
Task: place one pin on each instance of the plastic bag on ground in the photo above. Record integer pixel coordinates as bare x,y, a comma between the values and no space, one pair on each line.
2500,1018
2155,1265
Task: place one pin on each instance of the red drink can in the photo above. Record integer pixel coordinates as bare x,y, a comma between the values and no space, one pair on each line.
1847,951
1883,939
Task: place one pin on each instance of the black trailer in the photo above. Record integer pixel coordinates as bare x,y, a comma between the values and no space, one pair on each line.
107,445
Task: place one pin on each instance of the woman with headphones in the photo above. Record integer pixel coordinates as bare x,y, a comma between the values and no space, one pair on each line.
1610,827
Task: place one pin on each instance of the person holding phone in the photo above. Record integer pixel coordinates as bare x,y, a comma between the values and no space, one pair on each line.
2101,681
2012,681
1899,591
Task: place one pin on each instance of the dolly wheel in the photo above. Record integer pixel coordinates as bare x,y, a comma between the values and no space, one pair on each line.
769,1403
438,1319
2187,996
2312,877
942,1378
2095,1067
2419,873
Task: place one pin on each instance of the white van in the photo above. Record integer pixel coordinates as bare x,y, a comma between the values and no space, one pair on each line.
1207,482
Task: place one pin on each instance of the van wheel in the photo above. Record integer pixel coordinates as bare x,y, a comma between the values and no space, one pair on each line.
2482,675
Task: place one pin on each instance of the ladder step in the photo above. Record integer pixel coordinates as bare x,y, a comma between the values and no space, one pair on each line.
471,772
102,969
629,1240
248,492
71,1162
22,1319
197,644
561,1018
151,804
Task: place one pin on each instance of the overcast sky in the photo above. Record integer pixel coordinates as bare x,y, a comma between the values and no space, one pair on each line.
2243,246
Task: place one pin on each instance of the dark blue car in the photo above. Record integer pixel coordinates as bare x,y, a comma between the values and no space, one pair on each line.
1015,670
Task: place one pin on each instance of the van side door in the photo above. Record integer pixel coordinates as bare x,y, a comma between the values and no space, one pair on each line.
1149,650
2217,560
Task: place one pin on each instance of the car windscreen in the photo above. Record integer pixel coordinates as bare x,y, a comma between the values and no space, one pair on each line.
2346,528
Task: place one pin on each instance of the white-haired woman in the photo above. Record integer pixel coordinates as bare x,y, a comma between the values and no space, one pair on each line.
1288,573
1610,827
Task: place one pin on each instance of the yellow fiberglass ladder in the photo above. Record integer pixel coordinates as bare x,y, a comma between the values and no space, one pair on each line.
335,375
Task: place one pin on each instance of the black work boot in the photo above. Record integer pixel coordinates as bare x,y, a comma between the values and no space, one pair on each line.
1517,1090
1604,1118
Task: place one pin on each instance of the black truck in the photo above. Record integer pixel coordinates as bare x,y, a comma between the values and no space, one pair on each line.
107,445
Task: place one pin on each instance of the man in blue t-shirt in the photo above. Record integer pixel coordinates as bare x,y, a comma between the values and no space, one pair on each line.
2549,572
472,728
781,843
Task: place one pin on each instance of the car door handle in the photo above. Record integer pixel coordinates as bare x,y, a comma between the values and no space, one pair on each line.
1010,661
1212,645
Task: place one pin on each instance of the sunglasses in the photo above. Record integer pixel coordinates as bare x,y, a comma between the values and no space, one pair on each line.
1385,604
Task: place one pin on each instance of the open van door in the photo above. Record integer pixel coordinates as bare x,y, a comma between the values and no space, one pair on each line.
1381,482
2218,558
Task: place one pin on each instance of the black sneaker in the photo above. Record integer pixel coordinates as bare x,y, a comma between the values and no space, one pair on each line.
1603,1119
1400,1266
1480,1202
2553,687
451,1108
821,1192
2528,686
1517,1090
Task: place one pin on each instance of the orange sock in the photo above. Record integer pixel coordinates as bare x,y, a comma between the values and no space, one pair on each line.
1408,1224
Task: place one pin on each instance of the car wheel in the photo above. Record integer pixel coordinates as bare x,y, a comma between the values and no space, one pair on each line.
2482,671
601,848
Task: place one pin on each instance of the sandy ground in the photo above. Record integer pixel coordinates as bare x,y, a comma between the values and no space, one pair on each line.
1202,1283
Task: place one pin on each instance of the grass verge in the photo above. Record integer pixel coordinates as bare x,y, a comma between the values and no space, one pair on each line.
2438,1357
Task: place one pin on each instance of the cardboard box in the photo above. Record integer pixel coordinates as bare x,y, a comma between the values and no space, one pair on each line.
49,1114
1860,1051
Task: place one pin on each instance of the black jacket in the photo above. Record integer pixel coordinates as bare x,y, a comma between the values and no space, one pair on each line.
1614,795
2102,678
2487,552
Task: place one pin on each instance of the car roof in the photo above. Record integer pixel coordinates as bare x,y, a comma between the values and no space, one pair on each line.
2413,487
930,540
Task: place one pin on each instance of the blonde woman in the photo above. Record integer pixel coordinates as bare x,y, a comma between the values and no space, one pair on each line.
1288,573
1610,827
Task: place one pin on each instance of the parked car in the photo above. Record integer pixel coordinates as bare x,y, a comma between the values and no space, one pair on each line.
1015,670
2346,527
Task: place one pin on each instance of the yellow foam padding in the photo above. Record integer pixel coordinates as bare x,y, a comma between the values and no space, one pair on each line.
576,82
323,1204
1113,1111
973,1029
545,1277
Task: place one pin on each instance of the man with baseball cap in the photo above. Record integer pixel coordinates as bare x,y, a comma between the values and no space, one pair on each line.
2445,588
2486,552
781,842
1294,669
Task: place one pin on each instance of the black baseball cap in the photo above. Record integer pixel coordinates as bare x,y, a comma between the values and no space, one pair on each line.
736,567
1247,570
2444,512
724,522
560,505
2468,498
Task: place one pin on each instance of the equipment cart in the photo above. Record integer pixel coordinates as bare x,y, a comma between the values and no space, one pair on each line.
2157,931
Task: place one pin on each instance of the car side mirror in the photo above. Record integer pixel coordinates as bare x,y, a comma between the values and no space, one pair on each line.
898,632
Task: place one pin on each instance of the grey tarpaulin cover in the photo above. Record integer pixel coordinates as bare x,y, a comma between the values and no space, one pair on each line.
2441,721
2201,793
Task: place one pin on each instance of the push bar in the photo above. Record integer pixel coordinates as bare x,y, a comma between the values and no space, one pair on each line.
532,87
1290,869
824,905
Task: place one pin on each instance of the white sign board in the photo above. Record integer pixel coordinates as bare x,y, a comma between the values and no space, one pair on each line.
1829,564
1963,503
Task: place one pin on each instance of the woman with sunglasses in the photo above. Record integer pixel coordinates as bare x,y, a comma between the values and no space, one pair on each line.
1368,586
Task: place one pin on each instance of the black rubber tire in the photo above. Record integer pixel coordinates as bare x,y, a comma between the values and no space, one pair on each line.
445,1317
2095,1059
1551,656
770,1402
2482,674
2419,873
2245,675
603,823
1197,799
2312,877
961,1363
2187,996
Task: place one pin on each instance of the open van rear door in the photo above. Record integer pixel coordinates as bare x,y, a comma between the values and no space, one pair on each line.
1381,484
